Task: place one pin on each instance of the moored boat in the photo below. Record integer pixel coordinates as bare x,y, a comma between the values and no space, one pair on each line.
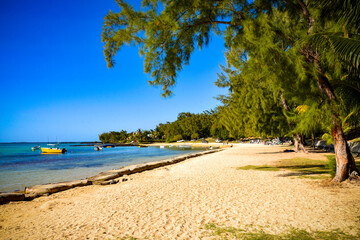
109,146
52,149
143,146
35,148
184,146
98,148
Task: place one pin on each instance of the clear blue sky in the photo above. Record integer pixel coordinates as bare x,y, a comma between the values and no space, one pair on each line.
55,83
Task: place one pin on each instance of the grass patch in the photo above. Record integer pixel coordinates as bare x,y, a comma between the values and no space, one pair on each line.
301,167
290,234
304,165
262,168
319,176
331,164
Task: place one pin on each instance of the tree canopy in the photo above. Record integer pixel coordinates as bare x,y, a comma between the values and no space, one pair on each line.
187,126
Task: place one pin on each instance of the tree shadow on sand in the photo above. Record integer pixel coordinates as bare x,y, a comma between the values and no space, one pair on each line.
299,167
309,149
302,167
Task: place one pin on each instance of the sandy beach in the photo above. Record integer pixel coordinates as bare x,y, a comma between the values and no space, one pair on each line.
177,201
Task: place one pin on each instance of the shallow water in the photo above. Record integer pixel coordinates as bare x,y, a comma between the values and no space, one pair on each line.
21,167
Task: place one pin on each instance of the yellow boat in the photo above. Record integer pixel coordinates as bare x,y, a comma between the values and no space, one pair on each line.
109,146
52,149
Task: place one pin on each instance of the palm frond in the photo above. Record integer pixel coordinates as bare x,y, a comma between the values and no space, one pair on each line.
302,108
344,12
346,48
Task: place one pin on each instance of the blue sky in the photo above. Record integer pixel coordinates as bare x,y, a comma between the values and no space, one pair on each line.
55,82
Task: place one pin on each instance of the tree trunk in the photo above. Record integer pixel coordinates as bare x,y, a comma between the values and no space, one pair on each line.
298,138
296,144
313,141
299,143
345,163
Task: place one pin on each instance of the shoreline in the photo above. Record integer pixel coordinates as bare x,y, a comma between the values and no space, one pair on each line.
102,178
21,167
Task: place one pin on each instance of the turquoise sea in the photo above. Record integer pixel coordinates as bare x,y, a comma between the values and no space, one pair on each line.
21,167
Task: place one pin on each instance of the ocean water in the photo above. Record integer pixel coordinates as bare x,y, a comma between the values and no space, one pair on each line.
21,167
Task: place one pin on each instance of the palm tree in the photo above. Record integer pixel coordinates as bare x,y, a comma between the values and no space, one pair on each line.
339,19
345,14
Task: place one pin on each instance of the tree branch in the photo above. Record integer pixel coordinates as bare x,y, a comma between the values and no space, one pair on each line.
212,22
307,14
236,12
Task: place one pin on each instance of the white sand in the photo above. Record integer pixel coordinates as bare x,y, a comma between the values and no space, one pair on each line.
176,202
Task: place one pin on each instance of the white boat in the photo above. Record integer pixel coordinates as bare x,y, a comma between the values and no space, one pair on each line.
184,146
98,148
35,148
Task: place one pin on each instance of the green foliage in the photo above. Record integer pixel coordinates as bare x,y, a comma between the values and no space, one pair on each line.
261,168
176,138
331,164
311,120
166,33
303,167
129,238
344,15
345,125
218,130
327,137
114,137
257,233
187,126
195,136
264,74
346,48
123,136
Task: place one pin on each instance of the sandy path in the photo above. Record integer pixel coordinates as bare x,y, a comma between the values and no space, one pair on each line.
175,202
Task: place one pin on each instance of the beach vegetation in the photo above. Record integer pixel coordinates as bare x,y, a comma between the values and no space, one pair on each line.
259,167
114,137
258,233
292,66
195,136
331,164
187,126
176,138
300,167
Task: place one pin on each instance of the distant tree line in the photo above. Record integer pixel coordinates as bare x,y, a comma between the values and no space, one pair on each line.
187,126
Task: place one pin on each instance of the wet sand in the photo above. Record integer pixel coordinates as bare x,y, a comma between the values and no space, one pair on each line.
177,201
